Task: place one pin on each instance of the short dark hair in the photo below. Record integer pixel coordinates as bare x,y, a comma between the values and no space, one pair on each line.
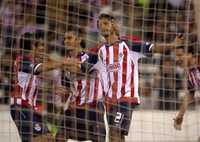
107,16
79,33
26,41
39,43
76,30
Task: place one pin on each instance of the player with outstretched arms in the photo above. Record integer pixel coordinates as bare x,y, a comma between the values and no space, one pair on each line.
27,67
121,56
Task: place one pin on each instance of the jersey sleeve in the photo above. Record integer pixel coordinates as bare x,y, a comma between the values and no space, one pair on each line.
103,75
24,64
35,69
137,45
87,61
140,47
190,84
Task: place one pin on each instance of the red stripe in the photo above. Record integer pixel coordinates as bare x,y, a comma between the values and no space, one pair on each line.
190,78
107,56
193,78
88,83
29,86
79,88
116,61
124,73
132,80
17,92
133,100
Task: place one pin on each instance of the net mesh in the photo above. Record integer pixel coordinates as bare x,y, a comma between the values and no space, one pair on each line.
163,81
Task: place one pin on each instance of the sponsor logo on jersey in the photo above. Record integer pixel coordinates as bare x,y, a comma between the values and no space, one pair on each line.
113,67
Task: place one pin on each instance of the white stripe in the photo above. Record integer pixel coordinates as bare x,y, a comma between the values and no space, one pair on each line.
25,87
195,81
128,73
103,50
120,71
36,67
84,57
19,101
100,90
12,101
83,92
23,79
32,90
91,92
136,80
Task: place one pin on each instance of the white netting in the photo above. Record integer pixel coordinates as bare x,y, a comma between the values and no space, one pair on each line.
162,76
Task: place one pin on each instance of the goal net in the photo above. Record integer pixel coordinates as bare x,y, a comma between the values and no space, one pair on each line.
162,82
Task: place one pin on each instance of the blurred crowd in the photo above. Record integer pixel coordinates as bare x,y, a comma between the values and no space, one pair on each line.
162,80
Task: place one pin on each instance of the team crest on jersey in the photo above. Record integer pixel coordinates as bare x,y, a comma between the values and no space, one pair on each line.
113,67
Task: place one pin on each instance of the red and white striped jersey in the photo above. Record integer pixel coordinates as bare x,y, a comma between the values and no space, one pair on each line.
25,88
122,68
194,79
87,91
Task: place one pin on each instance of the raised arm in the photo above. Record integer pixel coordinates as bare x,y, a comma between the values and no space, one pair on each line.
68,64
161,47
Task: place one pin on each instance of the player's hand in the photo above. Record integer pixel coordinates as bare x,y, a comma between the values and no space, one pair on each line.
178,122
179,39
72,64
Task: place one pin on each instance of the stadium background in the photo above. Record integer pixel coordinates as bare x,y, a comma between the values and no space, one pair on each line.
162,81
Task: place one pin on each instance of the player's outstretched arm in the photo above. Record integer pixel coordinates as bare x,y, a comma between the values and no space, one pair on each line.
69,64
184,106
161,47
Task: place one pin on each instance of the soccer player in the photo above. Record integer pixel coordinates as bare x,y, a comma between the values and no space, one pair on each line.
24,108
81,118
193,75
121,60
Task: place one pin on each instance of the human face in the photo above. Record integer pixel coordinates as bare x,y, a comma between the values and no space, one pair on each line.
180,56
70,40
105,27
193,60
39,52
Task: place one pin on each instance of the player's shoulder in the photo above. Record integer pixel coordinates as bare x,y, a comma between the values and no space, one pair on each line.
24,58
130,38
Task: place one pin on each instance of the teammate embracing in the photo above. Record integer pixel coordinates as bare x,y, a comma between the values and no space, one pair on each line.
25,110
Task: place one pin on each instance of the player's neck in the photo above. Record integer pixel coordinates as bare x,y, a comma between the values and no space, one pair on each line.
112,39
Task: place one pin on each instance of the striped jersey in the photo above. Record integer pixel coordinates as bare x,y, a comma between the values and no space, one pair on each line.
87,90
122,67
194,78
26,80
